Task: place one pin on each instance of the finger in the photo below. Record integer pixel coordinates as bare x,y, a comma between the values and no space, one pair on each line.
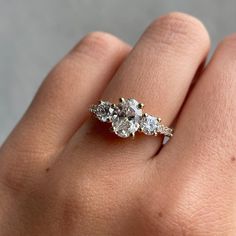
157,73
200,161
61,104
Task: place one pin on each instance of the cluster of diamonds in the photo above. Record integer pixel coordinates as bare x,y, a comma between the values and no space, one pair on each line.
127,118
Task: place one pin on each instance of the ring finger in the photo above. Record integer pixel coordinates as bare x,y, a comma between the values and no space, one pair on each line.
158,73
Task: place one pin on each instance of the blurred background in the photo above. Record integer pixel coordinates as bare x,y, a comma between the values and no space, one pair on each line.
34,35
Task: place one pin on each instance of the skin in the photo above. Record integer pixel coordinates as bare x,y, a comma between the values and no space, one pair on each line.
64,173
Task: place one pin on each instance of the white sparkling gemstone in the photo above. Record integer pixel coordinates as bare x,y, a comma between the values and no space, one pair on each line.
160,129
124,127
149,125
105,111
166,131
127,120
130,108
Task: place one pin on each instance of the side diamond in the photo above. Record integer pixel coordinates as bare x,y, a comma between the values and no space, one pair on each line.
105,111
149,124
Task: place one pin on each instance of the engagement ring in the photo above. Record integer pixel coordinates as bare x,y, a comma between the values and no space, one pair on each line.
127,118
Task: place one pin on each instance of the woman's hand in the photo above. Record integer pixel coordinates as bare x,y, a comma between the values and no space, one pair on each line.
63,173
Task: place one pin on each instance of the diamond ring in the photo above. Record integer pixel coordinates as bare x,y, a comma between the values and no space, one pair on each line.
127,118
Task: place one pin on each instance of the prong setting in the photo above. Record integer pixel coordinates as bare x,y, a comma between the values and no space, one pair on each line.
140,129
112,130
140,106
132,135
121,100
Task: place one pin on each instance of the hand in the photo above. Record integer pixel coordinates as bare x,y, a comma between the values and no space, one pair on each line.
64,173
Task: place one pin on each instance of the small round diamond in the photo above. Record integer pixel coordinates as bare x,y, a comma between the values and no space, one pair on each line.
105,111
165,130
149,124
124,127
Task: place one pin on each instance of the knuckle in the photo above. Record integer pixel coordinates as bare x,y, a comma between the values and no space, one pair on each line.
229,43
180,29
158,218
84,200
16,173
186,216
184,222
77,203
97,39
15,179
96,45
230,39
201,221
72,209
223,62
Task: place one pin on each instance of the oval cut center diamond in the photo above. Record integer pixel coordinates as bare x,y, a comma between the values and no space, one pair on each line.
130,108
124,127
127,121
